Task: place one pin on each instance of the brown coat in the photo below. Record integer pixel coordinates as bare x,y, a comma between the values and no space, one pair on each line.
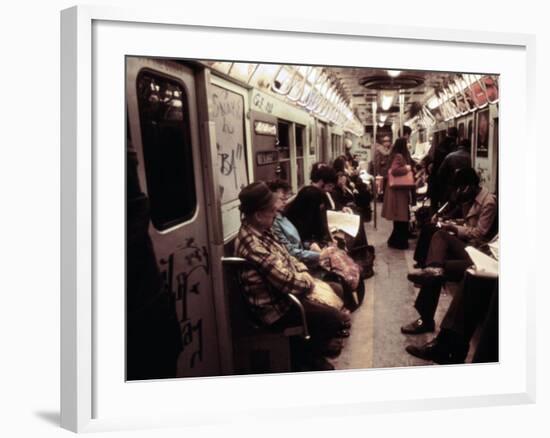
396,201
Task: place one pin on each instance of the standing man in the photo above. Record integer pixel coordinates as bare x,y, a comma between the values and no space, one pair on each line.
453,162
443,149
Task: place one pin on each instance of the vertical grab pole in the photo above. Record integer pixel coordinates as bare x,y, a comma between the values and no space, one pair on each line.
401,113
375,166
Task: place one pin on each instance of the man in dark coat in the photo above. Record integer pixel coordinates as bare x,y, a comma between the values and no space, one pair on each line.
440,152
459,159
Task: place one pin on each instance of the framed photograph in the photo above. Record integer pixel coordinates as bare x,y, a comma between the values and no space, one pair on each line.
159,138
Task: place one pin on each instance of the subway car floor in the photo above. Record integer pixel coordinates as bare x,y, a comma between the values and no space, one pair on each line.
376,340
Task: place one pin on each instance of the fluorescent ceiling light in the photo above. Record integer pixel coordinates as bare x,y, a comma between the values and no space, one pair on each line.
387,100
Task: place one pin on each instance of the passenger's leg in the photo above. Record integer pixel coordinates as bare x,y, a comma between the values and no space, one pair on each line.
427,300
487,349
423,243
468,307
444,246
392,238
324,322
454,269
403,234
399,238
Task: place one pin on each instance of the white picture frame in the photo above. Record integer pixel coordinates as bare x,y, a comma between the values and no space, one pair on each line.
88,403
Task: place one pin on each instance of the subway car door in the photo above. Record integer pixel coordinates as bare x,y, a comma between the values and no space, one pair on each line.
162,111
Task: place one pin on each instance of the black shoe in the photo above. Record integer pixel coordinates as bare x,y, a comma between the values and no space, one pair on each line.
419,265
437,352
426,276
343,333
417,327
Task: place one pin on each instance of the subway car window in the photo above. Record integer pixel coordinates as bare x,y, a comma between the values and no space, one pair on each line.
166,136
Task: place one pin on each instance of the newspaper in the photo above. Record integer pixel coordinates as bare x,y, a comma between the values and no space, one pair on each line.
484,265
346,222
494,248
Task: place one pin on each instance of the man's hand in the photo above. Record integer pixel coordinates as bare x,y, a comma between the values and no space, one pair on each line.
347,210
450,228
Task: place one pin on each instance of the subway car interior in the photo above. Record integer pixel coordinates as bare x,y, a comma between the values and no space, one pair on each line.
300,218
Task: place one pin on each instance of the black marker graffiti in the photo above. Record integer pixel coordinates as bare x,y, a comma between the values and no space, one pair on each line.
188,333
181,286
222,107
227,127
227,165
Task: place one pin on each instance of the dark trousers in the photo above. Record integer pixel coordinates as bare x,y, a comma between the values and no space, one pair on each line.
475,303
324,323
487,348
399,237
428,297
444,246
427,300
423,243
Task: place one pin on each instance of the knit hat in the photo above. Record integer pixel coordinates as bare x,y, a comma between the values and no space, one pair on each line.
256,197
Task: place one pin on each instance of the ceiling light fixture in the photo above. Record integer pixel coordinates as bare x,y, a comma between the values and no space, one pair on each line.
386,100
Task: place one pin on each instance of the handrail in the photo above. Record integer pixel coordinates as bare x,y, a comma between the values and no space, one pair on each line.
289,81
455,89
428,114
234,261
300,306
301,87
464,97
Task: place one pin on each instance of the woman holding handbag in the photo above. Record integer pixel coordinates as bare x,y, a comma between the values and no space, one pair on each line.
397,194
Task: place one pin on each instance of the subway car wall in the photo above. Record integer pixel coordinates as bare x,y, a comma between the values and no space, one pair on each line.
199,132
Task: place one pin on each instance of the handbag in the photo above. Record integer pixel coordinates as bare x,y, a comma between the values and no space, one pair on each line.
346,272
338,262
401,182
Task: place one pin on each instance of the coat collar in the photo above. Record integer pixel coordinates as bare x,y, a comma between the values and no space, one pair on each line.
254,231
480,198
